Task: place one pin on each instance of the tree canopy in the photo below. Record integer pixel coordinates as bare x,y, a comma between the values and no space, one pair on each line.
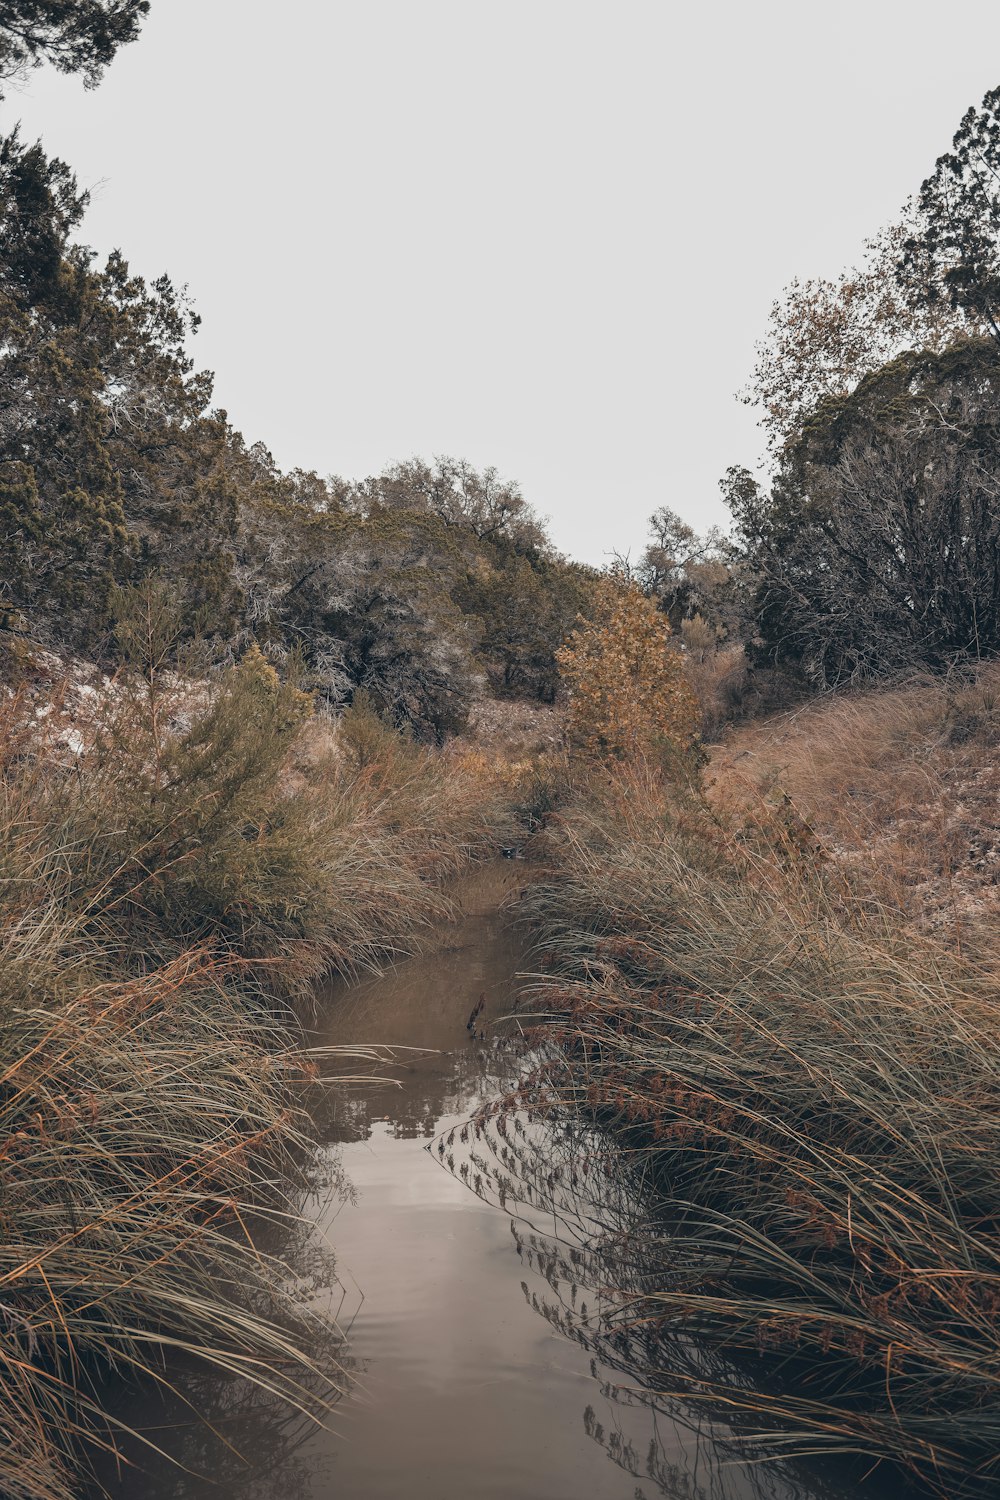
415,585
876,546
76,36
953,254
825,336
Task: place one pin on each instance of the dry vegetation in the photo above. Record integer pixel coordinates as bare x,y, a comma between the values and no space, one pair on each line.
177,867
782,1000
901,788
719,679
779,997
516,729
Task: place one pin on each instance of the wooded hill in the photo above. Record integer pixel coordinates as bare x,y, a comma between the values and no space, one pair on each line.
116,468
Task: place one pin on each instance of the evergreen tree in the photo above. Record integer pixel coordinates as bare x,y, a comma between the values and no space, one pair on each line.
76,36
878,545
954,255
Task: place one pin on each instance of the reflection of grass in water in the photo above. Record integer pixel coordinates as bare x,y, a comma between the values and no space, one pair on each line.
413,1089
581,1224
223,1437
816,1090
224,1433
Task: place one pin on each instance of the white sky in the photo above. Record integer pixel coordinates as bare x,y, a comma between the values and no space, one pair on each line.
542,235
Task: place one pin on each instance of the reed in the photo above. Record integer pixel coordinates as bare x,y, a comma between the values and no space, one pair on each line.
814,1093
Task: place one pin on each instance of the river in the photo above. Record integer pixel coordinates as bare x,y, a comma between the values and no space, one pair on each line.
479,1372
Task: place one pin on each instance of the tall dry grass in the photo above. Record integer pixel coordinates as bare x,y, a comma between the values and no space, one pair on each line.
175,872
237,818
148,1125
901,787
814,1092
718,675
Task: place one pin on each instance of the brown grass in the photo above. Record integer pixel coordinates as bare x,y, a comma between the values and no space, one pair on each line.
175,869
719,678
812,1086
901,788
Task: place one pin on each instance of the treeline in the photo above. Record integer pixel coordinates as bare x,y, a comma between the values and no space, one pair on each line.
115,467
876,546
422,585
873,548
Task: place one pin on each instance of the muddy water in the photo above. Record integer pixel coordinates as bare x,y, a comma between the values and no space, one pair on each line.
475,1377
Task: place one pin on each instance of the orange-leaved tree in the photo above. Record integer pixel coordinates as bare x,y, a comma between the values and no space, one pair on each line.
628,692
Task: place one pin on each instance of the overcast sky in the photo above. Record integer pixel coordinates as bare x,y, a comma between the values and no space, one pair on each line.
540,235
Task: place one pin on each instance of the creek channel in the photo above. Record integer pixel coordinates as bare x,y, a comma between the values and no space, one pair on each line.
478,1371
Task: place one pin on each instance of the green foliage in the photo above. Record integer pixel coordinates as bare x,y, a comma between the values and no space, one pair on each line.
491,555
824,336
526,606
926,282
480,502
406,585
686,573
877,548
954,255
205,844
114,469
106,464
370,602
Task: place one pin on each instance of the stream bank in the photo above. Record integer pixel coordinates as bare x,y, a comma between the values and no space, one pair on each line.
466,1384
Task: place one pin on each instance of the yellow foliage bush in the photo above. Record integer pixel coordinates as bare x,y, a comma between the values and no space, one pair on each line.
628,692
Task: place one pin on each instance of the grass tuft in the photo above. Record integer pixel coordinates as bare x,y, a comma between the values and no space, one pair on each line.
814,1091
177,868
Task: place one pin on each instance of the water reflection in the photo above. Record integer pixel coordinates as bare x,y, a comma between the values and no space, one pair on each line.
197,1432
410,1092
219,1436
581,1227
430,1068
488,1364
